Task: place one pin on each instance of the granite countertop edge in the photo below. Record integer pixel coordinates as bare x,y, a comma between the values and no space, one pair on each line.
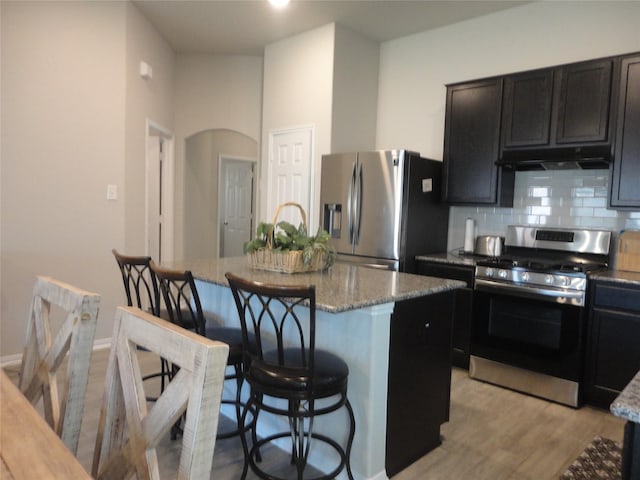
344,287
451,258
627,404
617,276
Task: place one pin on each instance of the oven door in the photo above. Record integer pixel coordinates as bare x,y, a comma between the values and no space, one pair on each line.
531,334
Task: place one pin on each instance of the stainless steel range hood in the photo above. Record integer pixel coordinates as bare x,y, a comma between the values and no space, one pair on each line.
584,157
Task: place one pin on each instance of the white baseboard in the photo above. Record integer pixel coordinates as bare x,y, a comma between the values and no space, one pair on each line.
16,358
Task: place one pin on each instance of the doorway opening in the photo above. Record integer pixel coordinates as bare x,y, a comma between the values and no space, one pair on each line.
202,212
160,170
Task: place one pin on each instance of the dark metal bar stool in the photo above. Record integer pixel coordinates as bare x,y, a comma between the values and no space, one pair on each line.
141,289
287,366
182,302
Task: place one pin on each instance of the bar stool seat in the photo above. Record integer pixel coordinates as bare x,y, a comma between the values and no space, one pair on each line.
331,373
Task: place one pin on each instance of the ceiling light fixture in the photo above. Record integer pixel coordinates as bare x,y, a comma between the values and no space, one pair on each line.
279,3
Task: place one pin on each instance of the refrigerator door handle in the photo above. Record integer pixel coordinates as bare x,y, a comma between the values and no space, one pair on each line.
358,205
350,201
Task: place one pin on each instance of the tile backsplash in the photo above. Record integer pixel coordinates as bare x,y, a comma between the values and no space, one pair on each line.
560,198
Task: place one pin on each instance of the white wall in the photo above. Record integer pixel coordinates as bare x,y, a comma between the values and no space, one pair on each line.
62,142
298,76
213,92
144,100
355,92
414,70
67,132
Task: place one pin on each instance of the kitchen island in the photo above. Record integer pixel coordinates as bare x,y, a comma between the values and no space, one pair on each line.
354,311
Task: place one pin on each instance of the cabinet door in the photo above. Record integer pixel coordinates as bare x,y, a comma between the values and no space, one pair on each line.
471,144
614,356
626,162
615,353
584,100
526,119
462,306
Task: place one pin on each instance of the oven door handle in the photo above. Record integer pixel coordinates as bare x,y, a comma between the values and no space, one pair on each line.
572,298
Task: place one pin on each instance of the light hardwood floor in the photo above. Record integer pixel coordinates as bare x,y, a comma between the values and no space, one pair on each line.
493,434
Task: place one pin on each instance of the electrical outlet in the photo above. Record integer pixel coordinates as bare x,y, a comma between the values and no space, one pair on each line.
427,185
112,192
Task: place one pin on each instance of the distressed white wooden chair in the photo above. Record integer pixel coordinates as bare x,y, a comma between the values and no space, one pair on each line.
128,433
47,345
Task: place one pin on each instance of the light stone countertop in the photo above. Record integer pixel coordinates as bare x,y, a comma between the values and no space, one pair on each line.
341,288
451,258
618,276
627,405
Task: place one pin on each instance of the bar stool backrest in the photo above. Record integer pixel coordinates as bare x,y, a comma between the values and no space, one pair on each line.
140,284
285,332
181,298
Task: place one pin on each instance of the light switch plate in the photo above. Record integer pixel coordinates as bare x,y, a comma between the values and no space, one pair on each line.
427,185
112,192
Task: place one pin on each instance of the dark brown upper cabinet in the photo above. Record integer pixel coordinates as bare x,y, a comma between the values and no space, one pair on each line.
526,120
584,102
558,107
472,146
626,163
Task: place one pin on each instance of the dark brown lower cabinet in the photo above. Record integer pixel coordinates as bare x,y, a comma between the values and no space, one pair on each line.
419,384
462,308
614,342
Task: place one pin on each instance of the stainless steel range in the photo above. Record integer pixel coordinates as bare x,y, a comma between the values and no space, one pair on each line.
528,330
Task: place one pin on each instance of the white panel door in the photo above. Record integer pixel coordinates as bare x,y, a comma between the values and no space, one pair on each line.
290,166
236,206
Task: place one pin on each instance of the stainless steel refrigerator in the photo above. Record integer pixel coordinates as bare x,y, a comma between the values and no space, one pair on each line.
383,208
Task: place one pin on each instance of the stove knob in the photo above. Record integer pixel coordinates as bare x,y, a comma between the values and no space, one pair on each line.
563,281
489,272
502,274
548,279
526,277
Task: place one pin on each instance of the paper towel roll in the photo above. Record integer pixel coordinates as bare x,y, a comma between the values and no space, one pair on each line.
469,233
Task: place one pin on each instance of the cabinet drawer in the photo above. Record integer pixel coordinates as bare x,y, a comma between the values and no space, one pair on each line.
617,297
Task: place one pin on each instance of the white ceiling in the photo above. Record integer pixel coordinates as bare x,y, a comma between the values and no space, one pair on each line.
244,27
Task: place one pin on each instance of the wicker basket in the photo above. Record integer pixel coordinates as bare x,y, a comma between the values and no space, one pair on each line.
286,262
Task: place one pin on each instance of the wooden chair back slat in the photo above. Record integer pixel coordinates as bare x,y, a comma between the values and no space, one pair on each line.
128,433
45,351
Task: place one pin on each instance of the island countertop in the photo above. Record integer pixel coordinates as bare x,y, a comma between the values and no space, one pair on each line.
627,405
341,288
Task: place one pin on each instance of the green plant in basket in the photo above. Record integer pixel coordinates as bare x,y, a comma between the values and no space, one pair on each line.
285,237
